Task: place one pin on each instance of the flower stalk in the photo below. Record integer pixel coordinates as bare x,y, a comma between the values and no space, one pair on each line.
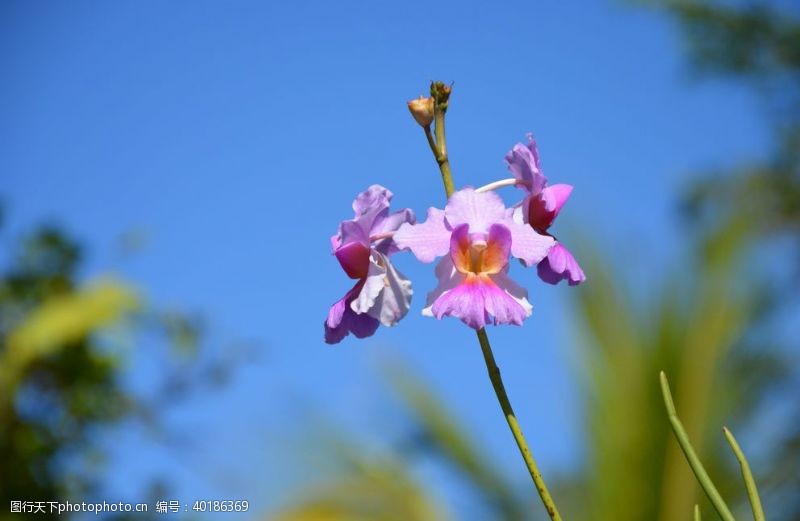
438,144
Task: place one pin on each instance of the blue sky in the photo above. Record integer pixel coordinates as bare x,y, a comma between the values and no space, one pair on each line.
236,134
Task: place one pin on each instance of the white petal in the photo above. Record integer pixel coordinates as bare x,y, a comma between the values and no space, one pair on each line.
394,300
372,287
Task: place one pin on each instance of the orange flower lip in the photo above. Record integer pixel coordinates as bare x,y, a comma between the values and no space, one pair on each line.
477,253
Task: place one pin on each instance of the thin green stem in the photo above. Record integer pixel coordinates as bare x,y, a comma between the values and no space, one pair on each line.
513,424
691,456
749,482
697,513
441,157
441,96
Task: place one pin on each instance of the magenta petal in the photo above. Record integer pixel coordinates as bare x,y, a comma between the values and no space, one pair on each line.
426,240
556,196
449,277
499,304
542,209
560,265
342,320
465,301
354,258
478,300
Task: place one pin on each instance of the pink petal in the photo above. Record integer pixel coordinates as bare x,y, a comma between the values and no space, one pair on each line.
526,244
559,265
543,209
506,301
449,277
478,300
426,240
479,210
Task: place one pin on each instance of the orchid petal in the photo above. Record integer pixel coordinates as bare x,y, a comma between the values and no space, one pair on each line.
526,244
449,277
477,209
542,210
523,163
374,283
560,265
390,224
342,321
354,258
394,301
426,240
477,301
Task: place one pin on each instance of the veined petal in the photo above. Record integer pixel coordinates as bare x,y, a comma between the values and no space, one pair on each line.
394,300
426,240
479,210
478,300
502,304
518,293
559,265
526,244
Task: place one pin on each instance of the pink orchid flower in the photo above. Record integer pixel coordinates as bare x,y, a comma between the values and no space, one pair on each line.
540,208
381,295
476,235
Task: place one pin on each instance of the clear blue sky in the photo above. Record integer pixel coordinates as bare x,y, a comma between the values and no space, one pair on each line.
236,134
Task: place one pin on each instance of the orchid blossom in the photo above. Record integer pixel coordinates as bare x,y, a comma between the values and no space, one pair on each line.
363,245
476,235
540,208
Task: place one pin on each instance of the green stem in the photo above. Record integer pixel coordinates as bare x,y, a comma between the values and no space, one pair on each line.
441,96
749,482
513,424
697,513
694,462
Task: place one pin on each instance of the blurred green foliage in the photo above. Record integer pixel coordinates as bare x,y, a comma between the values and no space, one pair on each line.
56,382
64,347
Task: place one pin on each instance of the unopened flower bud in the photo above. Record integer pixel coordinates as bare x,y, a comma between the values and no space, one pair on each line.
422,110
